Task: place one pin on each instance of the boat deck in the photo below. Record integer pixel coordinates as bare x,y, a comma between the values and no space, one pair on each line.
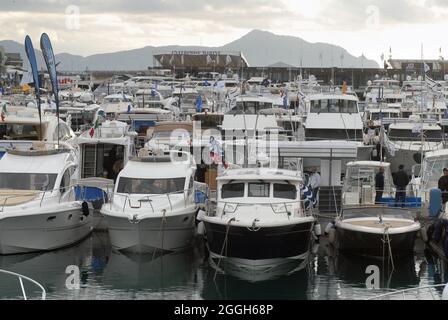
377,224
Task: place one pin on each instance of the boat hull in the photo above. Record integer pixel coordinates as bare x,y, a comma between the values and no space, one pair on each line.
259,247
152,234
371,244
43,232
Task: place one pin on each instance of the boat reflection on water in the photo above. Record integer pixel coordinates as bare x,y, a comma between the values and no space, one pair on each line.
152,276
282,279
353,269
49,269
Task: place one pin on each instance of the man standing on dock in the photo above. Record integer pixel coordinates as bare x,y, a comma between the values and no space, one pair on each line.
443,185
401,180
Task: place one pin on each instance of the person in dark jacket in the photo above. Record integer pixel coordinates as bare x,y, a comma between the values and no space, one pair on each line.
401,180
379,185
443,185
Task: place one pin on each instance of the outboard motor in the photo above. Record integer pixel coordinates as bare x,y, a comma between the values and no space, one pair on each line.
435,203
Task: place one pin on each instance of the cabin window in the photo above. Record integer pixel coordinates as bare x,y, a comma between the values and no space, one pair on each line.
259,190
65,182
151,186
285,191
334,106
18,132
404,134
233,190
27,181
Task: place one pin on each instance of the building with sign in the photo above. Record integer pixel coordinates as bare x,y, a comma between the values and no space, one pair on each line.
193,62
436,69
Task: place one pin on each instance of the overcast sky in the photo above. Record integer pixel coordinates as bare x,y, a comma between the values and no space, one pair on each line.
360,26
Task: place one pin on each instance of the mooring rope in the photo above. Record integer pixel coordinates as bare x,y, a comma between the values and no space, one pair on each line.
224,245
162,231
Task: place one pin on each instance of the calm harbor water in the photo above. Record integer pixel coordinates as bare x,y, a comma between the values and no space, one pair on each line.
106,274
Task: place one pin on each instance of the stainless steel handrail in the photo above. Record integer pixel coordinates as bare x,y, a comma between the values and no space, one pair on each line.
127,198
403,292
21,277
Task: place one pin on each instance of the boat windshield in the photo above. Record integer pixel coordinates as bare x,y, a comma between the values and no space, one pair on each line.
250,107
383,213
259,190
27,181
232,190
334,106
377,115
285,191
150,186
19,132
432,171
410,135
359,179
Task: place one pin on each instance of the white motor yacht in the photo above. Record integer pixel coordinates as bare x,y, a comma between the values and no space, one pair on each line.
153,207
38,209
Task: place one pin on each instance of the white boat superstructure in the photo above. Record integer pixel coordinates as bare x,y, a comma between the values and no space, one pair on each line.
23,124
115,103
153,207
407,143
38,207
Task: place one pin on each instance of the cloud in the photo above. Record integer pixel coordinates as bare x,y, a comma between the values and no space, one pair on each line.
114,25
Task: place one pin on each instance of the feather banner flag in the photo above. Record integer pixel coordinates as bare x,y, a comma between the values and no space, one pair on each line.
47,51
34,70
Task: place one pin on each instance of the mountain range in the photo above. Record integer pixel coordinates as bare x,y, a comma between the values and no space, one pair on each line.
260,48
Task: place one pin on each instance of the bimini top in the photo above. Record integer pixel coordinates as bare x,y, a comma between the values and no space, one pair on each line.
436,154
261,174
40,162
331,96
375,164
155,168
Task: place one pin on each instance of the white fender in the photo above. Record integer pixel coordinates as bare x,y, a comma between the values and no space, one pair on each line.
445,293
328,228
200,215
332,236
424,234
201,228
317,229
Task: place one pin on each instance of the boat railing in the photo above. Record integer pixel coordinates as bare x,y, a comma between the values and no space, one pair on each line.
413,293
56,193
21,279
149,199
277,207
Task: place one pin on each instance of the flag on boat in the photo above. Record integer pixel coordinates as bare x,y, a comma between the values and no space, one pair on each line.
228,60
3,114
430,82
308,197
95,126
27,78
427,68
390,146
216,152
